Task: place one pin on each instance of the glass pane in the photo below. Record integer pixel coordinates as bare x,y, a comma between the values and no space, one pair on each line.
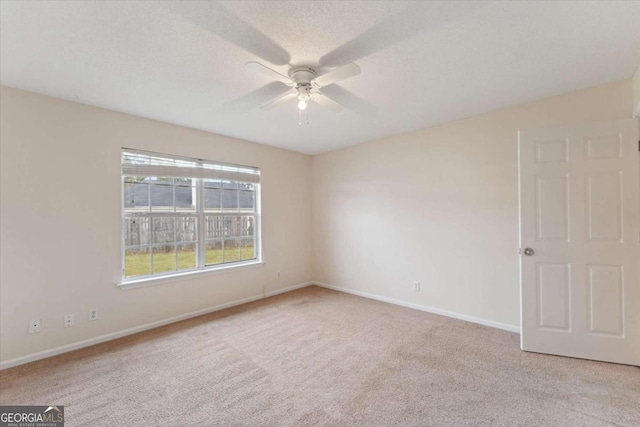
186,256
213,252
137,231
185,196
247,201
246,226
248,249
162,195
230,196
163,230
137,262
227,226
164,258
214,227
136,195
247,186
186,229
231,250
232,227
212,200
230,200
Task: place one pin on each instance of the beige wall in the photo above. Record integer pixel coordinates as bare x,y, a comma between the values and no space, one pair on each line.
60,221
439,205
636,93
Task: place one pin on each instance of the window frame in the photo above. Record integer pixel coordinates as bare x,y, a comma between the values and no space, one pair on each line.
200,215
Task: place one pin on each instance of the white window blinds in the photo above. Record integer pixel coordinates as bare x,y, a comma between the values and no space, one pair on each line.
144,163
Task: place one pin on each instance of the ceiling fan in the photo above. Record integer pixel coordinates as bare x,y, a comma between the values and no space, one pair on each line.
306,86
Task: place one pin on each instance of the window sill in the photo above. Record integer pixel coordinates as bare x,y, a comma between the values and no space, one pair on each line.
151,281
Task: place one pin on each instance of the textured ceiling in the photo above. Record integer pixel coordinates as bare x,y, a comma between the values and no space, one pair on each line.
422,63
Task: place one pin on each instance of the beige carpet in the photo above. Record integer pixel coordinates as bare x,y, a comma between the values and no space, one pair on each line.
318,357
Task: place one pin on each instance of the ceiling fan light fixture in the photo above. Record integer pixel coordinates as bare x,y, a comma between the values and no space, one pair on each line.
306,86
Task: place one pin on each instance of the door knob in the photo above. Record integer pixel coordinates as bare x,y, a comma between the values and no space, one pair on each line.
529,251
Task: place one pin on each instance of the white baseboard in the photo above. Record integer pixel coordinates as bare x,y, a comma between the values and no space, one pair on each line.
114,335
285,290
420,307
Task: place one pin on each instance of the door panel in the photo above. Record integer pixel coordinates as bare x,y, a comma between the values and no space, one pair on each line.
580,213
606,300
552,208
604,206
554,296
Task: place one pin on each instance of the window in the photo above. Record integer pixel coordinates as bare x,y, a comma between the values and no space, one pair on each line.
181,214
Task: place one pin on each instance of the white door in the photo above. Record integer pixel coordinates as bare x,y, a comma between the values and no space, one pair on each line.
580,241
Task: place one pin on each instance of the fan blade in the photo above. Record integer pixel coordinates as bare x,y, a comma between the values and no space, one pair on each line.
418,18
350,101
279,100
269,72
220,21
338,74
253,99
327,102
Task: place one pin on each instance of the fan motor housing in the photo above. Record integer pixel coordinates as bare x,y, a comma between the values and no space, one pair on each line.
302,75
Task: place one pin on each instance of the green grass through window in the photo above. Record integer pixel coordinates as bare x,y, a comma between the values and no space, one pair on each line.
139,264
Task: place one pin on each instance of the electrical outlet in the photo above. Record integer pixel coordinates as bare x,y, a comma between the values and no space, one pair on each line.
69,320
416,286
93,314
278,275
35,326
